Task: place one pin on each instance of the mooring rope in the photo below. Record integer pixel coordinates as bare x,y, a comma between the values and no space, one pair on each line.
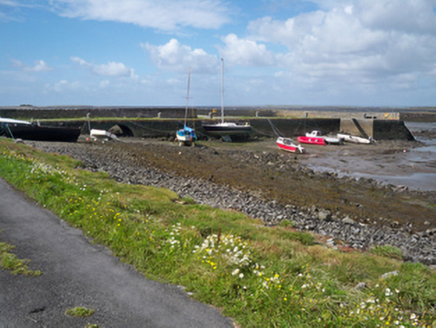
275,130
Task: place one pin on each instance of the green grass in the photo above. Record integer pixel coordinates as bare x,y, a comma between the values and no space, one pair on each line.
387,251
260,276
9,261
79,312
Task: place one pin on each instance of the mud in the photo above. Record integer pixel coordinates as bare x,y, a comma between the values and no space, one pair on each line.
259,168
389,162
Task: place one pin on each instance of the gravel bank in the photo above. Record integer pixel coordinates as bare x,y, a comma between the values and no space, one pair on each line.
205,175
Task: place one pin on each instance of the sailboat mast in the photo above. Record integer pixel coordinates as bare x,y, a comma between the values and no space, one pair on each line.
187,94
222,90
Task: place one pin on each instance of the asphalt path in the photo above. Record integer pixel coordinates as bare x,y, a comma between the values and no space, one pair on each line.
79,273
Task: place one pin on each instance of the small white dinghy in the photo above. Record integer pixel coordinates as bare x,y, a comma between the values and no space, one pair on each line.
355,139
102,135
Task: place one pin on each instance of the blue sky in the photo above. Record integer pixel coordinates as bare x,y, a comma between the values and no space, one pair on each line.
276,52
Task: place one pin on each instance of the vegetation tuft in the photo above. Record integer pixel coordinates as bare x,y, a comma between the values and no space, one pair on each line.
261,277
79,312
9,261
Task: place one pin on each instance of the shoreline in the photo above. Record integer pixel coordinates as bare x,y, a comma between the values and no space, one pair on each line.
217,176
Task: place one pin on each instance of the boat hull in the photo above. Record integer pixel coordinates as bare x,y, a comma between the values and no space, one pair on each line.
286,144
327,140
43,133
354,139
227,129
312,140
186,137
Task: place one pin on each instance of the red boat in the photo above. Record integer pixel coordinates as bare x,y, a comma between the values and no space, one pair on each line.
287,144
312,140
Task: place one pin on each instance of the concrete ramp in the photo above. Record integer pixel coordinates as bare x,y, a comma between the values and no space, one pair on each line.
377,129
357,127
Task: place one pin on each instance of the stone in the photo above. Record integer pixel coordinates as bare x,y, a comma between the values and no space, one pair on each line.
325,215
389,274
348,220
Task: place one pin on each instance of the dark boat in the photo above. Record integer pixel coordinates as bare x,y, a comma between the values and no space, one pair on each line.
226,128
17,129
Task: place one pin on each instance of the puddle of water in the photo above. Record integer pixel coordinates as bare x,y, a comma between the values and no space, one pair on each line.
424,156
421,181
417,181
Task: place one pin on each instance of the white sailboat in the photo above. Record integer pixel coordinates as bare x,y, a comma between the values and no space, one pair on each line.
186,136
226,128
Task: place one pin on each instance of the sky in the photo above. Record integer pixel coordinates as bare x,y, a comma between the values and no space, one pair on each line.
275,52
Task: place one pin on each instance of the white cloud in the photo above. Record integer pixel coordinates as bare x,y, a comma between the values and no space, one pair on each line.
246,52
104,84
177,57
9,3
360,41
10,10
409,16
62,86
39,66
163,14
111,69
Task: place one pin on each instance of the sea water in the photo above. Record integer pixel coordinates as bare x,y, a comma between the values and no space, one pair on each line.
423,156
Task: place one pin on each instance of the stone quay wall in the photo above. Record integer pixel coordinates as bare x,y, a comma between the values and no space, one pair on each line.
93,112
165,121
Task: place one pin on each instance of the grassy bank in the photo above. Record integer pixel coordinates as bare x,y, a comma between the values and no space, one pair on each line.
261,277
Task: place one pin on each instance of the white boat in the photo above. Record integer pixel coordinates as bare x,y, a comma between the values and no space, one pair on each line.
102,135
287,144
355,139
12,121
226,129
327,139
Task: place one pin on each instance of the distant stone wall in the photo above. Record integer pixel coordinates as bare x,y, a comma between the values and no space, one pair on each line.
309,112
418,117
338,114
136,112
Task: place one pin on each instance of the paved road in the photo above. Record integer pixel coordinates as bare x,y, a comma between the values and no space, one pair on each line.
77,273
